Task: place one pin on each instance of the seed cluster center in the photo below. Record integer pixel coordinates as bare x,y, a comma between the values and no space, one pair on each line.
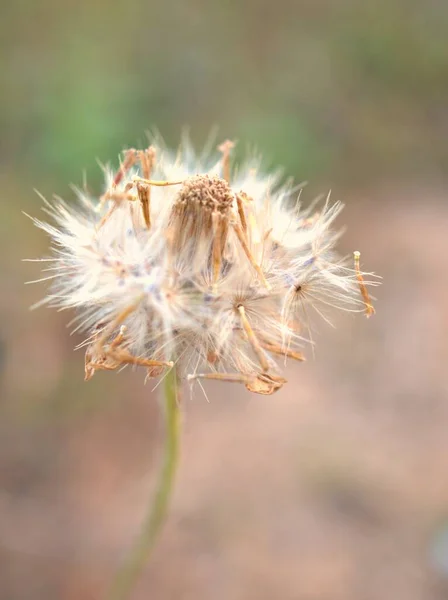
207,191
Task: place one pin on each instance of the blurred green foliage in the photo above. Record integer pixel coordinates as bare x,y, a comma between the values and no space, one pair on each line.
344,90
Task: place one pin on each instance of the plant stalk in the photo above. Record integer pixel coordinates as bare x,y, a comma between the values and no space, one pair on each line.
137,559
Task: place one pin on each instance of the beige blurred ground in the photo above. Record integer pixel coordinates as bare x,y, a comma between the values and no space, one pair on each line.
331,489
336,487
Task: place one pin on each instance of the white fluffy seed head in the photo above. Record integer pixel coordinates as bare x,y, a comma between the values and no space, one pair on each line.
182,262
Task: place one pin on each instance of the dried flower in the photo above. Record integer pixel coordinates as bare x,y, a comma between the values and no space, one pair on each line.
180,261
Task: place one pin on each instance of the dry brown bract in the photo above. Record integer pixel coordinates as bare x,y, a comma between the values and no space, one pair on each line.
214,274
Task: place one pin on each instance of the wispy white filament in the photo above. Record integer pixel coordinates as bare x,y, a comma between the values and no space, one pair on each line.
220,276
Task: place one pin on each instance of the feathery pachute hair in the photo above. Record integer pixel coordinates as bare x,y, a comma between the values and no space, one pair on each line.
182,261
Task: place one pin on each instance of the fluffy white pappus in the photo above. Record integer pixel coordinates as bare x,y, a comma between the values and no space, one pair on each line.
184,261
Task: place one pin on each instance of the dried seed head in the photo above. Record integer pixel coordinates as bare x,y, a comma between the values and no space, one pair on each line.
198,224
205,192
218,275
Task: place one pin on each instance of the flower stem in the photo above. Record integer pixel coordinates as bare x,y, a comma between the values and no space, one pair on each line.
139,555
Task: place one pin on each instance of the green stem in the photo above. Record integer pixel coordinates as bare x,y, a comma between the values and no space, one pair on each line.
138,557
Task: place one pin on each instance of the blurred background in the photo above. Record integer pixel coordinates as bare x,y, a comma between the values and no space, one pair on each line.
335,488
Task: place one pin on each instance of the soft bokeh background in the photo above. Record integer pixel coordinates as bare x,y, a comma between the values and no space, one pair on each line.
336,488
